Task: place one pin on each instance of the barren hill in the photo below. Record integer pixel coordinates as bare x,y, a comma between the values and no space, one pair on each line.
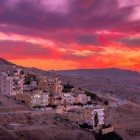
108,72
117,82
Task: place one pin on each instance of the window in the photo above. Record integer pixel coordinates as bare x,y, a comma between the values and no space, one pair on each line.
45,101
36,96
45,96
34,101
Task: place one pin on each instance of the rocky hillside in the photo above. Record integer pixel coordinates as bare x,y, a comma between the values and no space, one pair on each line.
116,82
110,72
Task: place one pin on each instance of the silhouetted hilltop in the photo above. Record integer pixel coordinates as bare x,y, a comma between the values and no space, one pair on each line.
4,62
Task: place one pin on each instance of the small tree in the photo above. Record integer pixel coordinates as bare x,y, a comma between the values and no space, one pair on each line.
67,87
96,120
106,102
84,125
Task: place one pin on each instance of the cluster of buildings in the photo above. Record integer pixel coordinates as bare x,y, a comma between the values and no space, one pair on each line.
47,92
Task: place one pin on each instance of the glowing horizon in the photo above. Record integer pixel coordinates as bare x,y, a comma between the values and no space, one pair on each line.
72,34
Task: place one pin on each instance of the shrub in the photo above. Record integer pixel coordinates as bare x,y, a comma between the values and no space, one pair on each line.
79,104
106,102
91,94
67,87
89,102
85,125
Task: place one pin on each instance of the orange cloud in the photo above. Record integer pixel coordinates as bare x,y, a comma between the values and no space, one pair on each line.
46,64
50,54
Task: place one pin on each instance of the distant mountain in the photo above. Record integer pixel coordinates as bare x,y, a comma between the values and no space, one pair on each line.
109,72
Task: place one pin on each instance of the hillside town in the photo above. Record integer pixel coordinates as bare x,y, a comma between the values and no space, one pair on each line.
33,101
44,93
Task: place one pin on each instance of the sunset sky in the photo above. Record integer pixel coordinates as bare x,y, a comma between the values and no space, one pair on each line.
71,34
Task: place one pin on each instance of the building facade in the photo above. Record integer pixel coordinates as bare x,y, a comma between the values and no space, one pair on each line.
11,83
35,99
83,98
92,116
51,85
68,99
56,100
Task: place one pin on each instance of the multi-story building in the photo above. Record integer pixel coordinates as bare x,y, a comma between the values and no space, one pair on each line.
92,116
68,99
52,86
11,83
56,100
34,99
83,98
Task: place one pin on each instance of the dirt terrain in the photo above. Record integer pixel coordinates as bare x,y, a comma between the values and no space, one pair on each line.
39,125
125,119
36,125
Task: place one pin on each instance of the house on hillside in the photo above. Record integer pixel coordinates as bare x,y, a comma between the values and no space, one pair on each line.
34,99
92,116
51,85
11,82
